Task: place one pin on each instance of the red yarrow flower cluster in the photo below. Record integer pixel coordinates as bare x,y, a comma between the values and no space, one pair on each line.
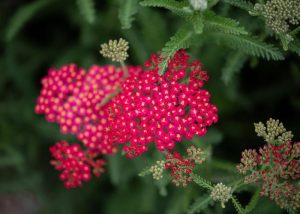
276,167
162,109
75,165
73,98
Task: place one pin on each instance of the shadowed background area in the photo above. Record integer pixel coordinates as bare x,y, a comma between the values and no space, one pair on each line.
50,33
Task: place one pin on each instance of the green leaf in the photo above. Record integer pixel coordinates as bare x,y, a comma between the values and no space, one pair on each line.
237,205
253,202
202,182
249,45
128,9
295,47
200,204
245,5
180,8
285,39
181,39
114,169
197,21
87,10
234,63
23,15
222,24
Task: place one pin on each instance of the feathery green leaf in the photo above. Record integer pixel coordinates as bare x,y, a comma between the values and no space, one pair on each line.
295,46
243,4
182,39
87,10
237,205
234,63
253,202
249,45
202,182
180,8
222,24
23,15
126,12
200,204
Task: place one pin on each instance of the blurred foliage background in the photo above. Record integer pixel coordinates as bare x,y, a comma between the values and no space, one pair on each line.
52,33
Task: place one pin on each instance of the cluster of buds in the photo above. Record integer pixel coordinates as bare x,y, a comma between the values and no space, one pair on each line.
274,132
276,166
115,50
75,165
161,109
280,14
157,170
221,193
181,167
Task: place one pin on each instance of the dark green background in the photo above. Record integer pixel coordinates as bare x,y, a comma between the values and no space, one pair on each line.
58,34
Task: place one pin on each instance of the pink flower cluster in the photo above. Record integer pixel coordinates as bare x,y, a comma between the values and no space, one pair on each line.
162,109
276,167
72,96
75,165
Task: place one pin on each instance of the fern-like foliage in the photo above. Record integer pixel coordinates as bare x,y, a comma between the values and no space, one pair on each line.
23,15
87,10
249,45
222,24
243,4
202,182
197,21
253,202
295,46
237,205
179,8
233,65
182,39
200,204
127,11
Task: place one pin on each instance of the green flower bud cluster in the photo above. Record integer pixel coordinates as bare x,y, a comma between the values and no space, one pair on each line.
115,50
196,154
280,14
157,170
221,193
273,132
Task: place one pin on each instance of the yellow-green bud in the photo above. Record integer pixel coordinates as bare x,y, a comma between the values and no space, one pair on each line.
221,193
115,50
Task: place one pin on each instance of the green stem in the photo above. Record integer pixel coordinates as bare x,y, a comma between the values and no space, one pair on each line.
126,74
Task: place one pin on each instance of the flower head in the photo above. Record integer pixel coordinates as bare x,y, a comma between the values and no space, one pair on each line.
181,168
221,193
115,50
162,109
275,166
75,165
280,14
273,132
73,98
157,170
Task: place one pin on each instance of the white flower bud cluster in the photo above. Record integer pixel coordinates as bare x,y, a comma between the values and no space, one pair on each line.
221,193
273,131
157,170
115,50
